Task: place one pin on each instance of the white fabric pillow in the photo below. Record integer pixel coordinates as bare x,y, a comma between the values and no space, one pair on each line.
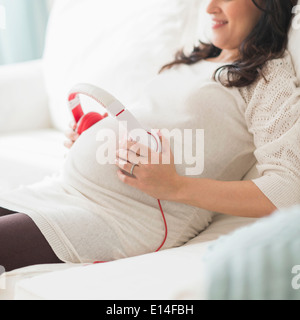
294,40
118,45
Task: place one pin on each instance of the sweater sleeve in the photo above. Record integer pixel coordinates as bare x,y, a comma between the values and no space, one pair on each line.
273,118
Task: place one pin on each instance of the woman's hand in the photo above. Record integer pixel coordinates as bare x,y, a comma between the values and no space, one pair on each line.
71,134
158,178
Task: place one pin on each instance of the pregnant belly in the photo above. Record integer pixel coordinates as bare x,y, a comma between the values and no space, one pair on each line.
90,166
89,172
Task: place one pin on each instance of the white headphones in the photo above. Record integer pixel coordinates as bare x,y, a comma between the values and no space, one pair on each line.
115,109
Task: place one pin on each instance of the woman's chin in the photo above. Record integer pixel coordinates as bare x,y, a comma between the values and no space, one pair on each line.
219,43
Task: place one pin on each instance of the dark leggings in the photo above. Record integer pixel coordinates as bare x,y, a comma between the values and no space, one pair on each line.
21,242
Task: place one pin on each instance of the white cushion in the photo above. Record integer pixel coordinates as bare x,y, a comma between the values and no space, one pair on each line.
294,40
9,281
23,97
28,157
118,45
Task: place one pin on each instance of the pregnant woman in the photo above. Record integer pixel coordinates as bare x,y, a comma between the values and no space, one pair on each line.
241,90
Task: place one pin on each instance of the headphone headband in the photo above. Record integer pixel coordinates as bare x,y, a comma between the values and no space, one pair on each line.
113,106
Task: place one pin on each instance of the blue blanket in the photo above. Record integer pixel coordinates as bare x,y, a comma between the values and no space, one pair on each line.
257,262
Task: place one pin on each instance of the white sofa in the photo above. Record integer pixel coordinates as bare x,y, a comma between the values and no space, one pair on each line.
118,45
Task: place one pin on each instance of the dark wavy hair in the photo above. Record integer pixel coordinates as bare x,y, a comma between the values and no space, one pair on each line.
268,40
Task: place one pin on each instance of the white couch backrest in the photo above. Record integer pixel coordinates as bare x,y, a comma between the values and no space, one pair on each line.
118,45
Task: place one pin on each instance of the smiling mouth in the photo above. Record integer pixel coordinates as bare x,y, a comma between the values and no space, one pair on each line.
218,24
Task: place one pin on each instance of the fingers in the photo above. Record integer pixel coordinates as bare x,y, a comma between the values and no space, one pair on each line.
68,144
165,143
72,135
124,155
73,125
135,147
127,167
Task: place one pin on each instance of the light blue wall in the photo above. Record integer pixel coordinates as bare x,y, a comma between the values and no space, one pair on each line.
23,37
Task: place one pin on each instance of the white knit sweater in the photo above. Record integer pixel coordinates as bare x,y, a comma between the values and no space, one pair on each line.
273,118
86,213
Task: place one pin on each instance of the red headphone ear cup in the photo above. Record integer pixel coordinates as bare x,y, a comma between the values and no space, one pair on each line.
89,120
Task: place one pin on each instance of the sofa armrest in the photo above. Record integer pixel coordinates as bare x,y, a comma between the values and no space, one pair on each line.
23,97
